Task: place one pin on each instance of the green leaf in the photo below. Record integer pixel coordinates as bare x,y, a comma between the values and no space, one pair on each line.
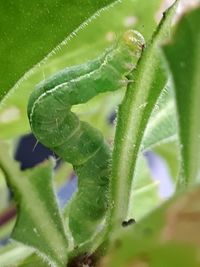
144,193
149,79
13,254
32,261
169,236
162,126
29,31
169,152
3,193
39,223
183,56
89,43
6,228
16,254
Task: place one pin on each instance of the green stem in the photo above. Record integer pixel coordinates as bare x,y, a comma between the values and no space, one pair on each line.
149,79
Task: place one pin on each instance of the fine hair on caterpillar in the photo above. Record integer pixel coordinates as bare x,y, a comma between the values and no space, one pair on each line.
75,141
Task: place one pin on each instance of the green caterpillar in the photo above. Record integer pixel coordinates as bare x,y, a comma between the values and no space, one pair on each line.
55,126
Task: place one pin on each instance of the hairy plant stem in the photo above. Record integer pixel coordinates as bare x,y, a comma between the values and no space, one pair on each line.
149,79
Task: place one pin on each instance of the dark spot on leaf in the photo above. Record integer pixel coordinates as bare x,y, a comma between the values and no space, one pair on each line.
129,222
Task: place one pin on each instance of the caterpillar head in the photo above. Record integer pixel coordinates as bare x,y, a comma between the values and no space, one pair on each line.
135,41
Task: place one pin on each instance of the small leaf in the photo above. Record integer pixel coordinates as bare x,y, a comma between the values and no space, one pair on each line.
183,56
39,223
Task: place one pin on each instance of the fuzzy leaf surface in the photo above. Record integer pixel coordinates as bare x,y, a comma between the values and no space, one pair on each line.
29,31
169,236
87,44
39,223
183,56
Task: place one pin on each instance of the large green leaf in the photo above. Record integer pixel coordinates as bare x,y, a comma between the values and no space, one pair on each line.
30,30
183,56
89,42
39,223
